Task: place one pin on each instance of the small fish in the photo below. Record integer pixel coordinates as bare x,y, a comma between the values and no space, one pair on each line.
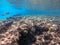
7,13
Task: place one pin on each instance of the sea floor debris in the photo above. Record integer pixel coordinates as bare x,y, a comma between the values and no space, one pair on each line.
30,30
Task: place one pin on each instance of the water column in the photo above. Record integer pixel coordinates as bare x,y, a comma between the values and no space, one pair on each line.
38,6
25,7
46,6
7,10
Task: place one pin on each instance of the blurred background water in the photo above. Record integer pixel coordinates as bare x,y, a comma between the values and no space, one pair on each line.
8,8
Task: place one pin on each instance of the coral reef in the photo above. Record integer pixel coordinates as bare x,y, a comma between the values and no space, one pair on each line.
30,30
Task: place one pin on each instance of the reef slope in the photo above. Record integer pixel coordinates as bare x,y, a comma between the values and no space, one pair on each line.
30,30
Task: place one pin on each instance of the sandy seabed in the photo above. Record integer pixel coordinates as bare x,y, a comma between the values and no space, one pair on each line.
30,30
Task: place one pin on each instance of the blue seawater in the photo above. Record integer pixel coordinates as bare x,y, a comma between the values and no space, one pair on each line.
5,7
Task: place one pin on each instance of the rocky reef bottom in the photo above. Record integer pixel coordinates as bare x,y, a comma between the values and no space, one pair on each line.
30,30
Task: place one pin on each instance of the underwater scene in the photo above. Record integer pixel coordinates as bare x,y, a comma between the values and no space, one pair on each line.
29,22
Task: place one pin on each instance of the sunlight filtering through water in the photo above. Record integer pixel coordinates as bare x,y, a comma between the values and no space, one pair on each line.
25,8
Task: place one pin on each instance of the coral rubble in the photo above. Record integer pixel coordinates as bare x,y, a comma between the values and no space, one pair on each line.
33,30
